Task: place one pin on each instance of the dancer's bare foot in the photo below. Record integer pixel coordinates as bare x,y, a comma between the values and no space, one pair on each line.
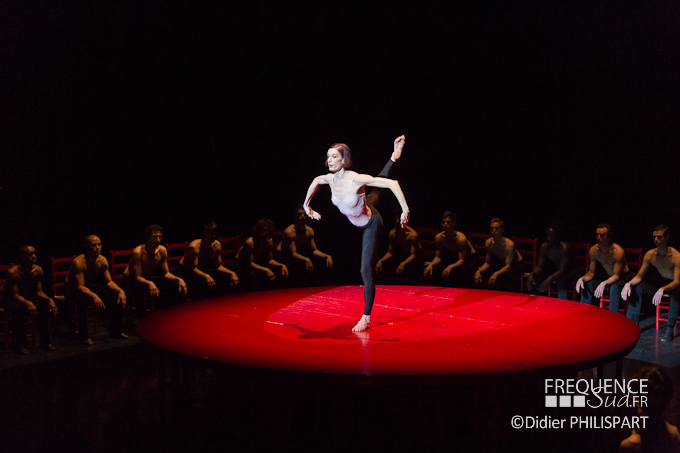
363,324
399,143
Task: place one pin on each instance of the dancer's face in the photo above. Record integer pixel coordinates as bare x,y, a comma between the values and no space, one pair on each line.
660,238
496,229
334,160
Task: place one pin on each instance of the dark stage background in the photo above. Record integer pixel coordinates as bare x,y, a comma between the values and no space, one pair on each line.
118,114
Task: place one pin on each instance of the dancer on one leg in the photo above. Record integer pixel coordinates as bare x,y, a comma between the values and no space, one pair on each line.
348,193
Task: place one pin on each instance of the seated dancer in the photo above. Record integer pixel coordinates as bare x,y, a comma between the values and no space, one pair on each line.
348,193
400,264
452,257
201,266
298,251
25,297
89,281
608,268
665,261
556,263
148,274
255,259
502,260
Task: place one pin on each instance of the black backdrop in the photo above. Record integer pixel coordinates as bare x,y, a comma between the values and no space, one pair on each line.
118,114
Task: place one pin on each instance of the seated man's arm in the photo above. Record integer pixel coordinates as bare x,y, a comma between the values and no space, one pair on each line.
509,256
438,246
592,267
540,262
165,270
273,262
317,252
217,256
41,294
413,250
122,299
388,254
11,290
245,254
78,274
627,288
461,244
135,270
672,285
288,245
487,262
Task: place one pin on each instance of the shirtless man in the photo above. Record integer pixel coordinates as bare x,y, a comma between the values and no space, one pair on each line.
502,260
148,269
25,297
298,248
256,257
89,281
556,263
612,271
666,260
202,266
453,251
402,254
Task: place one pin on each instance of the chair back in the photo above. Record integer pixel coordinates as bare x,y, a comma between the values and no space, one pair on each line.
426,237
230,246
60,268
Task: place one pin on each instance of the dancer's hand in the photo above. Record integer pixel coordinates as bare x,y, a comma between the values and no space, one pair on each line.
405,216
312,214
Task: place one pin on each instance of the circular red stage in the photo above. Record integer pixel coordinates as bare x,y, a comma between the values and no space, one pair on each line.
414,331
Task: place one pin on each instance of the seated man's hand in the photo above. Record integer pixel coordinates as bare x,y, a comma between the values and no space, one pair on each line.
579,285
625,292
153,290
656,300
599,291
98,302
53,308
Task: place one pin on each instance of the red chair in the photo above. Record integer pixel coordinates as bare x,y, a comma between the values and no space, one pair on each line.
478,242
426,237
60,268
277,237
528,248
230,246
634,261
175,254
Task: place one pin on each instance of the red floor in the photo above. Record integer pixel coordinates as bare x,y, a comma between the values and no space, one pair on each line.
414,330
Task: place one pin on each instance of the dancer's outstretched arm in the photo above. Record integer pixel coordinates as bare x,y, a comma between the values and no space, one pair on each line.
319,180
391,184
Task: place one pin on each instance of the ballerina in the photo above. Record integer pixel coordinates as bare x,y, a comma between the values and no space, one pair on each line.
348,193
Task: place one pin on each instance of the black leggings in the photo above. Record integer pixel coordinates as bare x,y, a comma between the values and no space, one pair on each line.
370,241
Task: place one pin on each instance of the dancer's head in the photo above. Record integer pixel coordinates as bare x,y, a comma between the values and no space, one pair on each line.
338,156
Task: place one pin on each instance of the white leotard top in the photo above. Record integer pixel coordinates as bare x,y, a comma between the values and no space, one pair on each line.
353,205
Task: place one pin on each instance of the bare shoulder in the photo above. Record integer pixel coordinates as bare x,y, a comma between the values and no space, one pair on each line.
37,270
509,243
13,272
618,251
195,244
460,237
216,245
289,231
309,231
102,261
439,237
